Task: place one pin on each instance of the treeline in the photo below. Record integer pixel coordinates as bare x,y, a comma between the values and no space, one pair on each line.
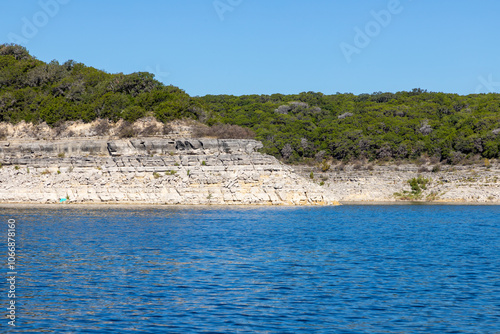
296,128
34,91
379,126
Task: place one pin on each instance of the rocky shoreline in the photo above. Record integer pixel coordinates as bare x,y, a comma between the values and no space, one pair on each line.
186,171
474,184
151,171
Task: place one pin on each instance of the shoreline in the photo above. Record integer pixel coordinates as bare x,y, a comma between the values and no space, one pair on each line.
237,206
223,172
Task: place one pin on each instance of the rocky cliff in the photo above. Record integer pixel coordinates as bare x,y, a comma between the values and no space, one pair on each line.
459,184
151,170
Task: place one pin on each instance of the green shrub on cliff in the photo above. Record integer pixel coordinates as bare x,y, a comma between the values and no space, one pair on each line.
417,185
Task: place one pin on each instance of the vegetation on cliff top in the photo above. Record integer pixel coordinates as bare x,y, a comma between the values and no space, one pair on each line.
295,128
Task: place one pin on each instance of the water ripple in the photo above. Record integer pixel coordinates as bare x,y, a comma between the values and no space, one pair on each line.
349,269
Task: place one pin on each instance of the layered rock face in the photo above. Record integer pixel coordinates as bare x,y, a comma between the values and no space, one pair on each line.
460,184
152,171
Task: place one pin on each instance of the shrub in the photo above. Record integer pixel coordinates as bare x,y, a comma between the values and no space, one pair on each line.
423,169
59,127
167,128
224,131
436,168
432,196
456,157
126,130
102,127
156,175
311,175
325,166
418,184
3,134
150,130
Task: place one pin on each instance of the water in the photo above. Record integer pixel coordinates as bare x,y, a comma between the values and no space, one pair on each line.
348,269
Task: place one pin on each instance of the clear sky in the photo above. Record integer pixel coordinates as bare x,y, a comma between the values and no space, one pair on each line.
271,46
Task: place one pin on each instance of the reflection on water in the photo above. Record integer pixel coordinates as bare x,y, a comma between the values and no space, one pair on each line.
349,269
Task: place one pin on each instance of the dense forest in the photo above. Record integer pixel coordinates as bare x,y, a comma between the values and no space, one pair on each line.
296,128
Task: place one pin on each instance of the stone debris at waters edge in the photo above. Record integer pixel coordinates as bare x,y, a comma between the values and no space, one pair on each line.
152,171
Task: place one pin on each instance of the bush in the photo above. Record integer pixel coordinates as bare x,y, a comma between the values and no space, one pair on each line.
3,134
150,130
59,127
325,167
167,128
423,169
418,184
456,158
224,131
126,130
101,128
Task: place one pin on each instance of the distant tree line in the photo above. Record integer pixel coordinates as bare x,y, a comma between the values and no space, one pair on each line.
296,128
379,126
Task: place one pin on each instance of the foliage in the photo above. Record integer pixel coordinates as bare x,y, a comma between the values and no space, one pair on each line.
224,131
417,185
381,126
296,128
34,91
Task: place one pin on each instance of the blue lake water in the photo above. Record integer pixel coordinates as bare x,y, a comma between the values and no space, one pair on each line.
347,269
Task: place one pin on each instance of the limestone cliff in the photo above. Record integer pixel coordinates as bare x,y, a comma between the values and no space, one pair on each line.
382,183
151,170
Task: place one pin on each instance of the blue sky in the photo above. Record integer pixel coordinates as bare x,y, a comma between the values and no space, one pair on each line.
265,47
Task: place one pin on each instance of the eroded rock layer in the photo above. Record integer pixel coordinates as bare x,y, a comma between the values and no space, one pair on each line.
151,170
